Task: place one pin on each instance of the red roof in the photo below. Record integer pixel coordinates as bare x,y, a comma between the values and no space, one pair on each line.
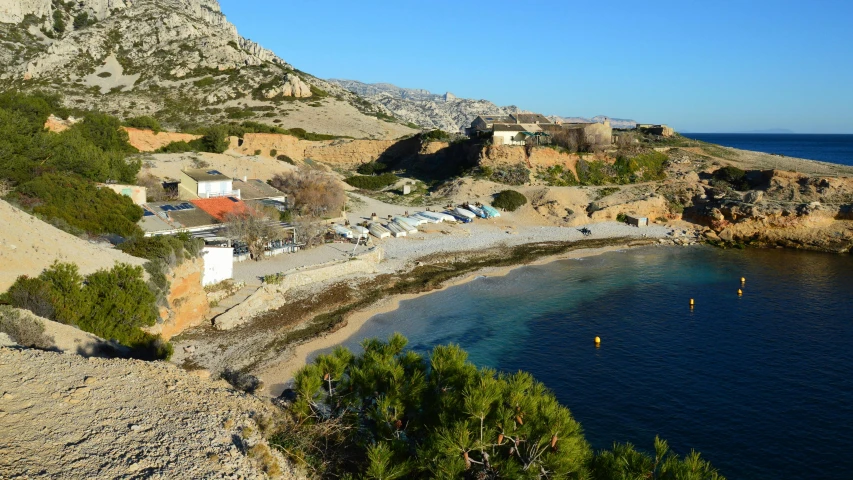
219,207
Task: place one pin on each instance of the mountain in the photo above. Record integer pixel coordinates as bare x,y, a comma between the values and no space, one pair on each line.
445,111
181,61
421,107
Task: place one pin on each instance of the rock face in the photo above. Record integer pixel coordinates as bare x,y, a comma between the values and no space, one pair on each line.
446,112
180,61
66,416
292,86
149,141
789,210
187,304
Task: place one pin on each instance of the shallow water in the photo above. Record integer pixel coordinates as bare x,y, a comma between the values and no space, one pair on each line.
761,384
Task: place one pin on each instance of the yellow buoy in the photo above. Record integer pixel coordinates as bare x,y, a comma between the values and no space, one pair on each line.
739,292
691,302
597,341
742,280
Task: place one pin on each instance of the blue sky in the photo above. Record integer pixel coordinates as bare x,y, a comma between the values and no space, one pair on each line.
699,66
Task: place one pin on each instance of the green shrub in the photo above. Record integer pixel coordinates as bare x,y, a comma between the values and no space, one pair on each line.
733,176
176,147
273,152
371,168
622,218
58,22
144,121
23,329
436,136
204,82
81,205
285,158
513,175
558,176
377,182
105,74
81,20
509,200
257,152
113,304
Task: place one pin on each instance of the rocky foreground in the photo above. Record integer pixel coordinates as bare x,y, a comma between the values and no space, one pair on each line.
67,416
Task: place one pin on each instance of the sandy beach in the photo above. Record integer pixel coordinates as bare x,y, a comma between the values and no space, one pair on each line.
278,375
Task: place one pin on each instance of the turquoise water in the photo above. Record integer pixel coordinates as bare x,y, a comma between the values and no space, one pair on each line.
762,385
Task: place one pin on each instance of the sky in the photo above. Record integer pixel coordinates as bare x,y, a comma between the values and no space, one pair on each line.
699,66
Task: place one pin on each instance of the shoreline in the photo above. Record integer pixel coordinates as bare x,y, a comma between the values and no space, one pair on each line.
277,375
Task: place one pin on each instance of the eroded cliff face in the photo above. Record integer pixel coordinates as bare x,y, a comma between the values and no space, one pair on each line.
343,153
187,304
149,141
790,210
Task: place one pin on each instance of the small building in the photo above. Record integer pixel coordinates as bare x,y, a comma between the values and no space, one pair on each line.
218,264
637,221
137,193
206,183
220,207
255,189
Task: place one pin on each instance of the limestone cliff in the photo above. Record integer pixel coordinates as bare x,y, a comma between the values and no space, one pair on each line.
186,302
180,61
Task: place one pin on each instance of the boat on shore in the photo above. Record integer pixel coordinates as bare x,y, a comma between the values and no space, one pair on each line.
492,212
359,231
480,213
414,221
377,230
465,213
402,223
431,217
343,231
396,230
459,217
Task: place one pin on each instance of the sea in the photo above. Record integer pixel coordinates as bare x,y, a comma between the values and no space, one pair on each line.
761,384
826,148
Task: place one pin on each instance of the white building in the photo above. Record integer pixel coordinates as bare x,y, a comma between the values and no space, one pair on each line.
205,183
218,264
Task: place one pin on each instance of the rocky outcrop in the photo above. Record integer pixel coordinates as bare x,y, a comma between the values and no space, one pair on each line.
291,86
186,302
148,141
14,11
790,210
66,416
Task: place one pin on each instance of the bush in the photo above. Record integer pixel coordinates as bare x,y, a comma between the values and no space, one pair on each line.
285,158
176,147
204,82
377,182
622,218
371,168
81,205
273,152
112,304
144,121
732,176
514,175
23,329
509,200
81,20
241,381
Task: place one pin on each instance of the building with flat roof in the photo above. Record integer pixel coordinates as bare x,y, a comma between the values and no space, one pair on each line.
206,183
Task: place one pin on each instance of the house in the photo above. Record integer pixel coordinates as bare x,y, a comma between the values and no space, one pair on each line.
221,207
138,194
255,189
206,183
485,123
508,134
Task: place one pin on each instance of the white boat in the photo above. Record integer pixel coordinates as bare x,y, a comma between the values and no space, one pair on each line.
465,213
405,225
431,217
445,217
343,231
476,211
396,230
378,231
413,220
359,231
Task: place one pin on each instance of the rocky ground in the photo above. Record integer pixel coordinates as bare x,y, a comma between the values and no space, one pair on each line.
66,416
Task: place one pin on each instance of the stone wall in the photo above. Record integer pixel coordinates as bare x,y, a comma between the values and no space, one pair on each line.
271,296
332,152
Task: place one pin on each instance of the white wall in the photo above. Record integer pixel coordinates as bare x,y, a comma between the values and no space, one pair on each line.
218,264
506,138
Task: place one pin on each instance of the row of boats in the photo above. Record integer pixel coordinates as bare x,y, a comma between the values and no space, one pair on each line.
400,226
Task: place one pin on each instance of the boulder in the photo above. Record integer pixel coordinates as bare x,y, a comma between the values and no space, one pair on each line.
292,86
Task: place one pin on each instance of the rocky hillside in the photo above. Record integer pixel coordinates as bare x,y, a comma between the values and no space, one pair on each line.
445,111
178,60
429,110
66,416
